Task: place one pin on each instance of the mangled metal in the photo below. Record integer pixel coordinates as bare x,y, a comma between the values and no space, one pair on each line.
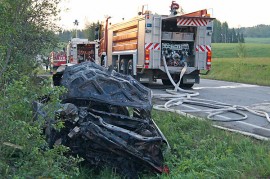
89,81
107,119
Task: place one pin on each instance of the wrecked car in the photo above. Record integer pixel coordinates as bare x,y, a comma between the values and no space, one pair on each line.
107,121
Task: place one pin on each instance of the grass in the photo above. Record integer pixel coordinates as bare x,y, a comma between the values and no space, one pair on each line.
199,150
230,50
248,70
246,63
258,40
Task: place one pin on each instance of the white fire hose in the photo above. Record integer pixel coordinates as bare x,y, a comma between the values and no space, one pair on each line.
178,96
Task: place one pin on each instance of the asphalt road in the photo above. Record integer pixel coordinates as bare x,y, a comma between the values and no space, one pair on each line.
253,96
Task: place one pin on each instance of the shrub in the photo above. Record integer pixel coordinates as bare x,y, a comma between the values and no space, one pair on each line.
24,151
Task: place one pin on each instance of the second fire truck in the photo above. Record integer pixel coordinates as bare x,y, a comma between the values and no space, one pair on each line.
78,51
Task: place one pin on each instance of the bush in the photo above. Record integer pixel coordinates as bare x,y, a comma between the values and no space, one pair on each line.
24,151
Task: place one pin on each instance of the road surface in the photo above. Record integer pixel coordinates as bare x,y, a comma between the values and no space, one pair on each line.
253,96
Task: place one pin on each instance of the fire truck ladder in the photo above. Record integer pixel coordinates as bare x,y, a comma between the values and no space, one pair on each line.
201,41
156,39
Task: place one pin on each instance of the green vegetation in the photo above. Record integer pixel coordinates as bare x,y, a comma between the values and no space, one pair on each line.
230,50
258,40
199,150
24,152
223,34
242,62
27,29
249,70
87,33
258,31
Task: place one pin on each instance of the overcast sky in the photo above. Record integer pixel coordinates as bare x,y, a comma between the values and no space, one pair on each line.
238,13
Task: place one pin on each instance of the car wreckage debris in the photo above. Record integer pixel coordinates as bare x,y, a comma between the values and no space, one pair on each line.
107,119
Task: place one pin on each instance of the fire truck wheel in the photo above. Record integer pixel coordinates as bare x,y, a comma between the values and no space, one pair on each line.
166,82
57,79
186,85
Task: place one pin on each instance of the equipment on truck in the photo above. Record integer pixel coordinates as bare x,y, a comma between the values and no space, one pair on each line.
78,51
137,46
81,50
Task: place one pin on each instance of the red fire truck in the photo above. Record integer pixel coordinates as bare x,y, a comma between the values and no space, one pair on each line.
56,60
139,46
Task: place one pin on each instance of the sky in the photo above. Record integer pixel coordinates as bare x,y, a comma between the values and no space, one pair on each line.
237,13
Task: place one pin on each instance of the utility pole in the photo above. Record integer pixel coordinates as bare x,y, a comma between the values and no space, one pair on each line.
76,23
106,38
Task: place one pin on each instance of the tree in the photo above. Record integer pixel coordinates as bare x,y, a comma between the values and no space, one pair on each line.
26,27
216,31
229,36
234,36
224,32
259,31
65,36
242,39
89,31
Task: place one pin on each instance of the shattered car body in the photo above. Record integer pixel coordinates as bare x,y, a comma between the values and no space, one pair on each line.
107,119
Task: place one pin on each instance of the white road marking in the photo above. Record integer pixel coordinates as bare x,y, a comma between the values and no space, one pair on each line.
252,125
256,136
224,117
227,87
187,106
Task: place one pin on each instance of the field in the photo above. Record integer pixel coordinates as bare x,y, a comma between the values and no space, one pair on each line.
258,40
248,70
246,63
231,50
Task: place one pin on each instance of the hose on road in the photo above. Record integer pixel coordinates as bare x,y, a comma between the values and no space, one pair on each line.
178,96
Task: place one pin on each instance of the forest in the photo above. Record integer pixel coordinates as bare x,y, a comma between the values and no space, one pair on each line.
223,34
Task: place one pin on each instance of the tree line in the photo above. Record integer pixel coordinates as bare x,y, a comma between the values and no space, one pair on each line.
221,33
88,33
258,31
